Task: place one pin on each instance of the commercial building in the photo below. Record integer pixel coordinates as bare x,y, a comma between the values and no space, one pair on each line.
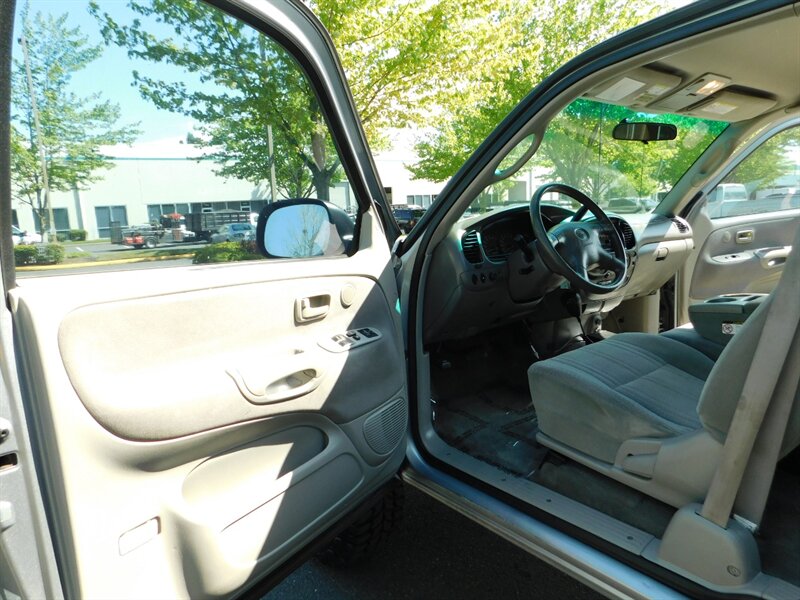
147,180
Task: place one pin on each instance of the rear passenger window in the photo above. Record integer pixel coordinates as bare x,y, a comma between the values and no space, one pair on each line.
766,181
165,129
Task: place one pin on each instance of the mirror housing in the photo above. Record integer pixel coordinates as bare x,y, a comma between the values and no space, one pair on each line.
303,228
644,132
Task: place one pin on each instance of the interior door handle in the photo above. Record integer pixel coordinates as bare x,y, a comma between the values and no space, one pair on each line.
773,257
311,308
285,387
745,236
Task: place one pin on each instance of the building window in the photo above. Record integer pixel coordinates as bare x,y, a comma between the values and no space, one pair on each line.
14,220
60,218
423,200
106,215
154,212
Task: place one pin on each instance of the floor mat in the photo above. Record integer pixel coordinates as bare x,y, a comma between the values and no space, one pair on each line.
496,425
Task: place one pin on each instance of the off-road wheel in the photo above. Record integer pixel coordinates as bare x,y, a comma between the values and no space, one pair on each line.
357,543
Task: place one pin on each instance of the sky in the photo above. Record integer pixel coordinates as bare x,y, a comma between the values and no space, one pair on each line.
110,75
106,76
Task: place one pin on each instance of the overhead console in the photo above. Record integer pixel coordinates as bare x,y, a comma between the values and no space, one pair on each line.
710,96
635,88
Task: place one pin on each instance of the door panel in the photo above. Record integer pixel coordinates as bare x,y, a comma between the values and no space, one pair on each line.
184,452
743,228
743,254
229,365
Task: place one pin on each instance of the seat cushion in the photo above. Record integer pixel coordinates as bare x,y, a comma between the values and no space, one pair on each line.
689,336
628,386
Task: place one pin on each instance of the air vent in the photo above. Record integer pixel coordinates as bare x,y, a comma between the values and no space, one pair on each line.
682,225
497,256
471,247
626,233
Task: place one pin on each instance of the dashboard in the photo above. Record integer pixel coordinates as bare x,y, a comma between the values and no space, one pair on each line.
482,276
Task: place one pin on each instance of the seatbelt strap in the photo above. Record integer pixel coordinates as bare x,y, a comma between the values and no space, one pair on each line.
777,337
757,481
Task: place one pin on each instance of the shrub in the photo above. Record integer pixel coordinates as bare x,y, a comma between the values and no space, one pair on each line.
77,235
226,252
62,237
40,254
50,254
25,255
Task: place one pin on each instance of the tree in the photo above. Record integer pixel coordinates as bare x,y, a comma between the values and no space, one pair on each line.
403,60
769,162
72,128
549,34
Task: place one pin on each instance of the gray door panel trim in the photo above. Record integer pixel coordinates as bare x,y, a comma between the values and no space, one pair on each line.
728,264
122,507
28,567
186,367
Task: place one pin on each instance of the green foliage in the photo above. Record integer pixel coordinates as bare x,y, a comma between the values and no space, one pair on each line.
579,149
77,235
404,61
248,83
25,255
73,128
40,254
768,162
227,252
50,254
533,39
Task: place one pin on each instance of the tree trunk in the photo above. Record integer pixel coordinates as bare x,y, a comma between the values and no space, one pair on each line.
319,175
322,183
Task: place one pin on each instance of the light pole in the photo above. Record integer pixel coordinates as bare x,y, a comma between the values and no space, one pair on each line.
271,164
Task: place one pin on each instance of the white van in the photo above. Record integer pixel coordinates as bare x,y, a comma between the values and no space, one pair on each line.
728,192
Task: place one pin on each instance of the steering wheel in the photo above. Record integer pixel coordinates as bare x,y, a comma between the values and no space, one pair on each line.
573,248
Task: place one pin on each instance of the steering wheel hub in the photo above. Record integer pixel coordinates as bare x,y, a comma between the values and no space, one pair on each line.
574,249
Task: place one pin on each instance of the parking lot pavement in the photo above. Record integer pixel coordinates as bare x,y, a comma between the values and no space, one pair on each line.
436,553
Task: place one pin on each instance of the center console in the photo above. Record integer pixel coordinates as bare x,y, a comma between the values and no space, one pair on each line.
719,318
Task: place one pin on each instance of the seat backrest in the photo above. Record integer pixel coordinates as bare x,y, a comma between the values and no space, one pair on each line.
725,382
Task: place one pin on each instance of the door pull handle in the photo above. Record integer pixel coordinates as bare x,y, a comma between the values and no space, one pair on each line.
311,308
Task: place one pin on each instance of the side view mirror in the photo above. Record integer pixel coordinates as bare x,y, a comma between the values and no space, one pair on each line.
303,228
644,132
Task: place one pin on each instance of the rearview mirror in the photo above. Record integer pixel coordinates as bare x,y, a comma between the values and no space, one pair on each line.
303,228
644,132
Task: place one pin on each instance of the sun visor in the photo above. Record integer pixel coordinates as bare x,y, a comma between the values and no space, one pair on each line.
638,87
730,106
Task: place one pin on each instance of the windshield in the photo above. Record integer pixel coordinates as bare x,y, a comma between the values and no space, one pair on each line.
623,176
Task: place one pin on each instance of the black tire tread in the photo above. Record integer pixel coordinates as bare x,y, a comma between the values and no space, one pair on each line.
357,543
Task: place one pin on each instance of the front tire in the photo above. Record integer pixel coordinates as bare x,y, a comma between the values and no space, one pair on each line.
357,543
150,243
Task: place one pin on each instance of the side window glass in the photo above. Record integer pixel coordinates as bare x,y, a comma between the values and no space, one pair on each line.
160,131
766,181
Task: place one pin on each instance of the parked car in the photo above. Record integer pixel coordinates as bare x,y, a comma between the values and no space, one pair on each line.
23,237
407,216
234,232
630,205
534,367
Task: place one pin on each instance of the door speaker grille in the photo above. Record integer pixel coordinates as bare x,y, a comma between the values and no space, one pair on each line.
384,430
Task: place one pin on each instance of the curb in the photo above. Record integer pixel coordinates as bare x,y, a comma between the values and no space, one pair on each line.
101,263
